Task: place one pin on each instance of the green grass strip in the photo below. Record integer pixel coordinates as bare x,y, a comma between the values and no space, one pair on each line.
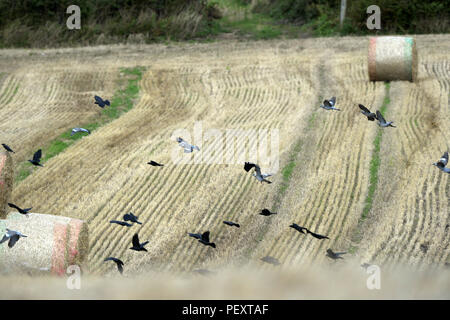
373,179
121,102
376,161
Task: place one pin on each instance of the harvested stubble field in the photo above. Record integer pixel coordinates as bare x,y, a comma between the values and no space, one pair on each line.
325,158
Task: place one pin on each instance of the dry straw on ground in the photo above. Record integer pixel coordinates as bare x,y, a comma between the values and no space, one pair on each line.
392,58
52,244
6,181
254,85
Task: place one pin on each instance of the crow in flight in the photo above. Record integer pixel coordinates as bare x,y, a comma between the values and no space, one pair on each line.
7,148
155,164
203,238
131,217
122,223
118,262
334,255
271,260
137,246
317,236
20,210
298,228
37,158
232,224
203,272
100,102
266,212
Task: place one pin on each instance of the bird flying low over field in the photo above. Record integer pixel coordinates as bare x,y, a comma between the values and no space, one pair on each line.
329,104
334,255
76,130
20,210
122,223
131,217
271,260
382,122
118,262
203,272
100,102
258,175
317,236
188,148
137,246
36,158
301,229
203,238
232,224
12,236
155,164
442,163
7,148
370,115
298,228
266,212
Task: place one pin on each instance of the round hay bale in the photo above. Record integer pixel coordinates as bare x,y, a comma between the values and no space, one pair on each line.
392,58
6,182
52,244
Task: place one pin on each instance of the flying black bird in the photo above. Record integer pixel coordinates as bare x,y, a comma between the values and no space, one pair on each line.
382,122
298,228
271,260
443,162
266,212
76,130
258,175
20,210
203,272
138,246
317,236
203,238
232,224
131,217
334,255
370,115
12,236
37,158
188,148
155,164
117,261
248,166
122,223
100,102
329,104
7,148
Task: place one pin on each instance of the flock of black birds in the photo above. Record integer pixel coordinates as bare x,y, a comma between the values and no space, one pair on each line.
204,238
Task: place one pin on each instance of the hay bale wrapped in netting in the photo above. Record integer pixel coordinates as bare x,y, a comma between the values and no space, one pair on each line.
6,182
52,244
392,58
